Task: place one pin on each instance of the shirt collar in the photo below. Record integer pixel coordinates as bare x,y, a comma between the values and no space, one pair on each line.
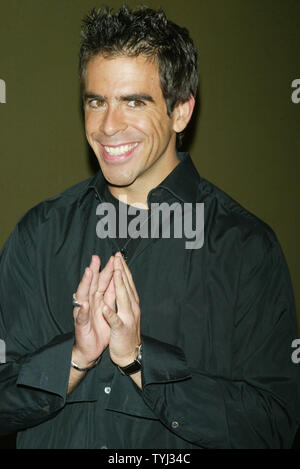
182,182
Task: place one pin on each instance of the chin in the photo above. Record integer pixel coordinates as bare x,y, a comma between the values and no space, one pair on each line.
118,180
118,175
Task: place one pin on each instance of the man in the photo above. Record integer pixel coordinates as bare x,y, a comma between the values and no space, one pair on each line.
174,347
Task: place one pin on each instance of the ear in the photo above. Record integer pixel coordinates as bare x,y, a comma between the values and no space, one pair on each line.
182,113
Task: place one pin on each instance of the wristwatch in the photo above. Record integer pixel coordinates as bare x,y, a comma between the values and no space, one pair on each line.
135,366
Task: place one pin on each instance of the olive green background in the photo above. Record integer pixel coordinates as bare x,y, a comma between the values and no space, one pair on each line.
245,134
245,137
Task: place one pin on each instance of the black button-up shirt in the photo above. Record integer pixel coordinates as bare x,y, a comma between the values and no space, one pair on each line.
217,325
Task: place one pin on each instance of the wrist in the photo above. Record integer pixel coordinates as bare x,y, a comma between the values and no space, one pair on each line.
80,362
132,365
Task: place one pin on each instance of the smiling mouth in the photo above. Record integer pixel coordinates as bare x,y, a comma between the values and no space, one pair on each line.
119,152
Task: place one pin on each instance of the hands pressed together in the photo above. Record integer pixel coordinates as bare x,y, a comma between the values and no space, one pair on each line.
109,314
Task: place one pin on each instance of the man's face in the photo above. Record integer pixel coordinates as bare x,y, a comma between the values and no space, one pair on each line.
127,123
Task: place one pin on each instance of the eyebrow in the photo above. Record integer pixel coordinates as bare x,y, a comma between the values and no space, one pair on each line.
126,98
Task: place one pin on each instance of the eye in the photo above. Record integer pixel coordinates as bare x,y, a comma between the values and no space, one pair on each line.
95,103
135,103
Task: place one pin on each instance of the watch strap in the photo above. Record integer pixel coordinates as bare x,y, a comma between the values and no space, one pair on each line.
130,369
135,366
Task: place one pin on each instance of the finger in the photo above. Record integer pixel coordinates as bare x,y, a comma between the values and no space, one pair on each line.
113,319
110,295
83,289
81,315
122,298
105,276
134,304
118,265
129,277
95,267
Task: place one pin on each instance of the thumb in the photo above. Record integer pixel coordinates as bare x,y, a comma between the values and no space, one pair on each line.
112,317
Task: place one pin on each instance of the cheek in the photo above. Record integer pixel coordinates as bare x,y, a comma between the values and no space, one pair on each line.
88,127
93,121
156,127
90,123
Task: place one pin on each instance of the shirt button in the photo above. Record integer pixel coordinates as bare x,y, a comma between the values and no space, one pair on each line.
175,424
107,390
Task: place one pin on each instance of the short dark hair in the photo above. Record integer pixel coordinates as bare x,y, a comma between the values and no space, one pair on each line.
143,31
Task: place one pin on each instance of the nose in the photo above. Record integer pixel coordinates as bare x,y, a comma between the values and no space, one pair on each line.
113,121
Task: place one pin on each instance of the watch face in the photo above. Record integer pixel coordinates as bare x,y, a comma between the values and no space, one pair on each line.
130,369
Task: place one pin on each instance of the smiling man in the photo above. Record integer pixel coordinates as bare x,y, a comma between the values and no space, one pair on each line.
173,347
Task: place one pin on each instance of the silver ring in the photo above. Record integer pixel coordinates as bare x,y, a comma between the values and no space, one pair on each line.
75,302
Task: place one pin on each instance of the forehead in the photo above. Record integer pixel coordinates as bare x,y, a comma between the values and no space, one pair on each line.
122,74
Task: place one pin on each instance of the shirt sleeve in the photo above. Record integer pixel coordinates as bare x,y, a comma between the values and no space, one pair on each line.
35,371
257,405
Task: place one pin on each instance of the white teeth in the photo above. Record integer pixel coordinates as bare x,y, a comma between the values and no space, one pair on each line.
116,151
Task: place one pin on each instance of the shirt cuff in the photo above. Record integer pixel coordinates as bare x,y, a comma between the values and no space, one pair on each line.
49,368
162,362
